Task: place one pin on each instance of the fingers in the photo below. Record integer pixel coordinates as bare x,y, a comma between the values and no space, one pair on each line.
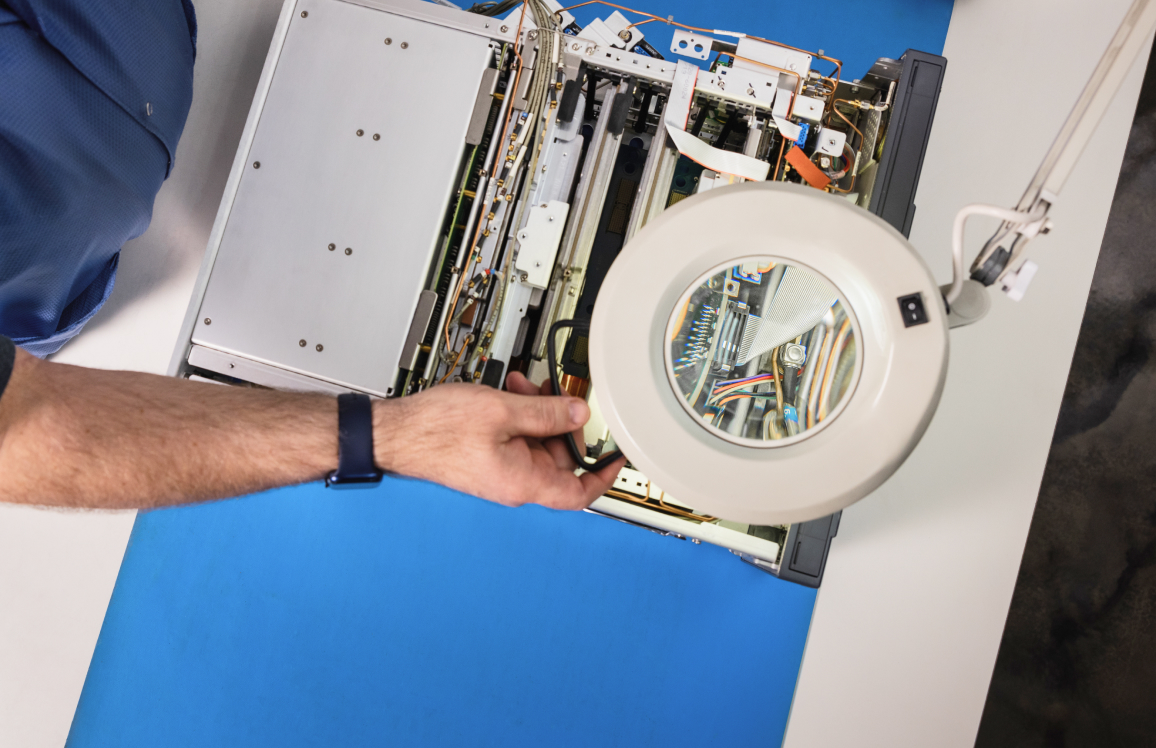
543,416
561,489
561,454
517,383
596,484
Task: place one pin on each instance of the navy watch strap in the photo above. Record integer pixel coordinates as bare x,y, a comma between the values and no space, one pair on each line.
355,464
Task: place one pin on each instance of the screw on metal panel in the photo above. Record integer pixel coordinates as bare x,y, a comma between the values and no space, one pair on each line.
301,342
256,164
348,250
332,247
624,35
388,40
149,108
376,136
405,45
505,29
208,321
750,92
304,14
532,35
360,133
232,366
320,348
590,50
574,47
525,276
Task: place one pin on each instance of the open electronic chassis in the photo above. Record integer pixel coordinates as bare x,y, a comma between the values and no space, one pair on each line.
360,247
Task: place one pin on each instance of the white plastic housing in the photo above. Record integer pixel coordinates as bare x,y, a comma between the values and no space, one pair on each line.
898,387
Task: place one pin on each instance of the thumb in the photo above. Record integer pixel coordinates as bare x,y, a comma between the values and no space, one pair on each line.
545,416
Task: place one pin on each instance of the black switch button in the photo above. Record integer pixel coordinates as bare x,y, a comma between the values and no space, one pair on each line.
911,307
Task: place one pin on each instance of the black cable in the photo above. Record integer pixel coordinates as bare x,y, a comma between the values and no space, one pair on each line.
552,359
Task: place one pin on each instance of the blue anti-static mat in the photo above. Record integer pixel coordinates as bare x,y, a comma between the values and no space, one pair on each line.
415,616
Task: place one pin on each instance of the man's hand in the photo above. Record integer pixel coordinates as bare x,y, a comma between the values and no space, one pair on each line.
501,446
121,440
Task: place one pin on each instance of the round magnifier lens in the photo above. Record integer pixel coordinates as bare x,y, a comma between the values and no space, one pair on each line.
762,352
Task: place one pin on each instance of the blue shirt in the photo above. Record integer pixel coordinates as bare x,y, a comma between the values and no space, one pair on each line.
93,99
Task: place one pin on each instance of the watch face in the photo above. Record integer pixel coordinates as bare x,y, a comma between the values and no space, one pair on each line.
762,352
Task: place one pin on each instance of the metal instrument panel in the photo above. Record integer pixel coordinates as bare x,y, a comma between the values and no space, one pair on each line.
358,146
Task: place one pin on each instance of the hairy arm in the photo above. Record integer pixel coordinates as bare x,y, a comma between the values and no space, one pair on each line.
77,437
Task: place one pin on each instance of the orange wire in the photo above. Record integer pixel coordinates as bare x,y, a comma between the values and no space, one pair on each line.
837,63
828,370
493,170
465,344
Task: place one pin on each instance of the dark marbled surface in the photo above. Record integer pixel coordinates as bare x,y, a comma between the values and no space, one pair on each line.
1077,664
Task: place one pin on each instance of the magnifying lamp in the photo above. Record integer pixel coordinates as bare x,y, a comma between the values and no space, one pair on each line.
770,353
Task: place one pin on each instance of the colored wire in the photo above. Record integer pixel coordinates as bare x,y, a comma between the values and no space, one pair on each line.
829,368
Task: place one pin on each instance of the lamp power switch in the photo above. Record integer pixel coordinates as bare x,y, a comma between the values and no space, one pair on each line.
912,309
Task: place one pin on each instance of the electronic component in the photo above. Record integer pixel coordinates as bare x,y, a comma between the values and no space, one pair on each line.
543,159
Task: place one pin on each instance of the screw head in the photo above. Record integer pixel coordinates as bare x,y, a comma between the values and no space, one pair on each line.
376,136
301,342
505,29
320,348
304,14
388,41
348,250
574,47
208,321
405,45
360,133
332,247
256,164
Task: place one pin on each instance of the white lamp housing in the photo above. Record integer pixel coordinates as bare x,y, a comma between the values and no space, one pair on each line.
886,406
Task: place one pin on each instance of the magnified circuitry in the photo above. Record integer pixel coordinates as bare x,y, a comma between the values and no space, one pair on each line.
762,351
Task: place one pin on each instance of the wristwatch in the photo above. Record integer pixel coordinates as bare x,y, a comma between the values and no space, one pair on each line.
355,465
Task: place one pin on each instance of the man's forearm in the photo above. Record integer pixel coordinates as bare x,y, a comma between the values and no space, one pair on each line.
79,437
121,440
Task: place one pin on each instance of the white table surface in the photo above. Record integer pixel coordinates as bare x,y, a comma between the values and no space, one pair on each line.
918,584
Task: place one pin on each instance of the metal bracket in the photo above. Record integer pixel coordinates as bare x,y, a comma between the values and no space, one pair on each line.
691,45
538,242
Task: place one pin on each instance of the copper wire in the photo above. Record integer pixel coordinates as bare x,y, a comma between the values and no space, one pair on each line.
661,506
829,369
854,176
670,22
497,145
465,344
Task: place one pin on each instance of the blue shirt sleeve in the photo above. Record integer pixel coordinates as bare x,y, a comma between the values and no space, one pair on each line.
7,361
96,96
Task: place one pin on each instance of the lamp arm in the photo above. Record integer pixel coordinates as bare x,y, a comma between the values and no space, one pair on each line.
1031,214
